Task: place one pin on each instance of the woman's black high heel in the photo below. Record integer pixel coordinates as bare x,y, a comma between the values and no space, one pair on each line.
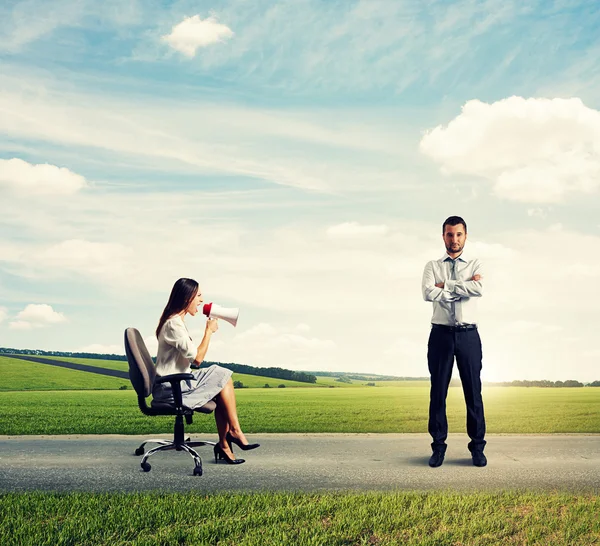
220,454
245,447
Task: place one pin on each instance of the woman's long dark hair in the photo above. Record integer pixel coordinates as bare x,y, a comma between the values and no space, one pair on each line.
181,296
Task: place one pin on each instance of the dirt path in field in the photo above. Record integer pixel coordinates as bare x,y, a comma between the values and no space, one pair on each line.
303,462
72,366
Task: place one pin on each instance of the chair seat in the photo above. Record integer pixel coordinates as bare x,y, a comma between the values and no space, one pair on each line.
209,407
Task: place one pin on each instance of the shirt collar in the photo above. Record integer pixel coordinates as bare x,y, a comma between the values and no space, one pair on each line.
445,257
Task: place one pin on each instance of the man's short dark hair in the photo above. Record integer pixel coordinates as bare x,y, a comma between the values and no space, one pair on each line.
453,221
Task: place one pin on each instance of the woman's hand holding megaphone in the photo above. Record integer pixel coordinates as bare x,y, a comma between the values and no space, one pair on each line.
212,325
229,314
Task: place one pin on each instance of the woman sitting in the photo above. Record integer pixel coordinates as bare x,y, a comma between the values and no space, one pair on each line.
176,351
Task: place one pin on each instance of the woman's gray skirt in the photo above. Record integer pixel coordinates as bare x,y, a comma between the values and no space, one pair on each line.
207,383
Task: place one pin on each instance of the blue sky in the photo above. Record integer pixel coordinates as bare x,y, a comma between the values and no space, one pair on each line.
298,159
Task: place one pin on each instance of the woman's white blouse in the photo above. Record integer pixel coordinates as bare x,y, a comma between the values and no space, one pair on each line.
176,350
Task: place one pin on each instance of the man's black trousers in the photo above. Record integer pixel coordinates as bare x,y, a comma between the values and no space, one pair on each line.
445,344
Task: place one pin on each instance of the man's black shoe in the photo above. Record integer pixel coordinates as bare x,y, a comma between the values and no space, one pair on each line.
479,458
437,458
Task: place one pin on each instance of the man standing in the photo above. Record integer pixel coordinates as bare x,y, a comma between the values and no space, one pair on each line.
453,284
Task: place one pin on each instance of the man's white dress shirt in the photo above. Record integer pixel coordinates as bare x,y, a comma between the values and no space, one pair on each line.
176,350
456,303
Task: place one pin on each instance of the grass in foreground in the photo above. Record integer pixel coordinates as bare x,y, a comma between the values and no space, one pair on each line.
385,409
408,518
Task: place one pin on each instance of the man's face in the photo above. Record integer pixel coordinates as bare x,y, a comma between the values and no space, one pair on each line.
454,238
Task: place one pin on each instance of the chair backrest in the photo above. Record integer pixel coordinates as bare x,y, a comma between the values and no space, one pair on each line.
141,367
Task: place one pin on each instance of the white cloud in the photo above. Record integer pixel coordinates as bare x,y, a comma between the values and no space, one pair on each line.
260,330
44,179
36,316
269,345
537,212
529,327
20,325
355,229
98,348
19,27
24,22
209,137
353,46
151,343
3,314
491,250
272,337
537,302
193,33
406,348
100,260
535,150
581,270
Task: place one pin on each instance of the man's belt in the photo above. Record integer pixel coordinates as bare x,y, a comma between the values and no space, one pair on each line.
461,328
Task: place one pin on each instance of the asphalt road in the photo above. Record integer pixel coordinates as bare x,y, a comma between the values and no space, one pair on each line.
303,462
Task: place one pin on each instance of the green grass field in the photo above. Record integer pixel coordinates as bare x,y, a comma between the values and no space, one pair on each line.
44,399
385,409
250,381
407,518
110,364
21,375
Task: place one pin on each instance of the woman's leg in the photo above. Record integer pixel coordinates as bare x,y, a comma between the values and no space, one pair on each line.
226,403
222,424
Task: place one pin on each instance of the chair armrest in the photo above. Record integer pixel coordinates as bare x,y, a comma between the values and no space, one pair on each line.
174,377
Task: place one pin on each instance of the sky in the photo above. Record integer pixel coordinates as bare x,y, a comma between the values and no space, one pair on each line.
298,160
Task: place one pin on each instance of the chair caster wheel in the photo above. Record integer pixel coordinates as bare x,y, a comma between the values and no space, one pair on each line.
139,451
197,471
146,467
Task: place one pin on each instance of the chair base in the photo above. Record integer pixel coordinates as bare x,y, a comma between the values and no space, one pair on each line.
167,445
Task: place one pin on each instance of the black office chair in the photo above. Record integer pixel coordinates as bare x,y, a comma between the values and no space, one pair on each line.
143,375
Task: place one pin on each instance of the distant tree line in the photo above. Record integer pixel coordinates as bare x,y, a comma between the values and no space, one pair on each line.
307,377
240,385
544,383
98,356
369,377
276,373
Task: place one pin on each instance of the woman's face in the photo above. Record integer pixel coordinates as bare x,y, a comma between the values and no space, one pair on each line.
197,300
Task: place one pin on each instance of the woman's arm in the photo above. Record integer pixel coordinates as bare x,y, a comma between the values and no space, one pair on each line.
211,327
